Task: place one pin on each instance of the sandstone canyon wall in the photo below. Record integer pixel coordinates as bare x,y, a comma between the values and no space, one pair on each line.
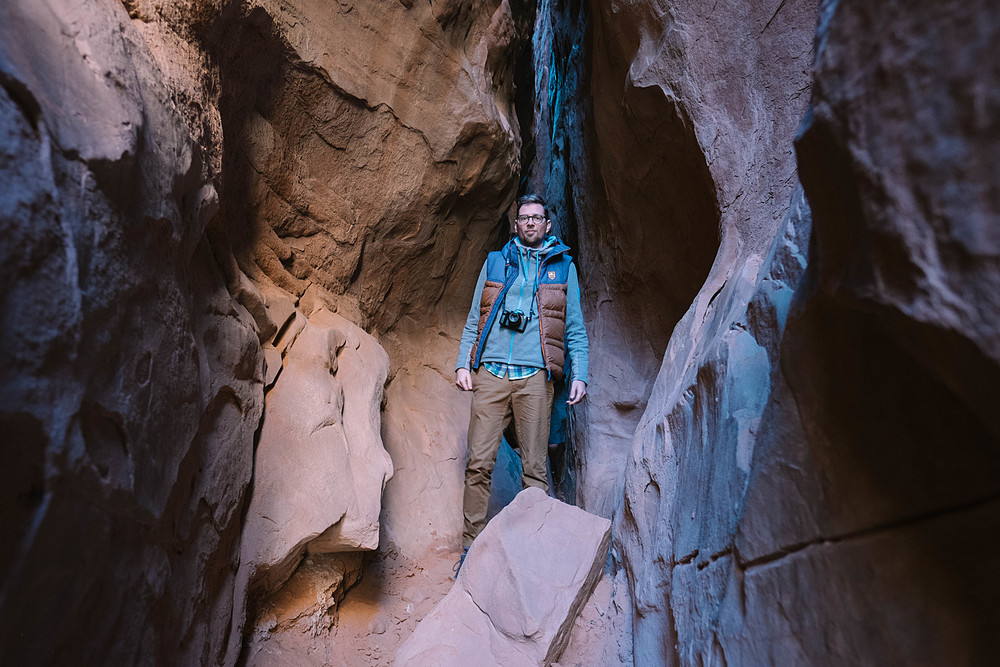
813,477
668,127
209,208
238,240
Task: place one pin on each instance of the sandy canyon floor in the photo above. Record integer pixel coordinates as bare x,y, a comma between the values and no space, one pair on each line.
382,610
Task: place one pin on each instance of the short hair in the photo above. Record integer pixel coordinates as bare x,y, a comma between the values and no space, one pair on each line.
533,199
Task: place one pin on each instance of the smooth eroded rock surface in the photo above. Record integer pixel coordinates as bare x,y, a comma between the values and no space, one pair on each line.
523,583
815,471
227,226
375,180
187,186
665,145
320,465
131,382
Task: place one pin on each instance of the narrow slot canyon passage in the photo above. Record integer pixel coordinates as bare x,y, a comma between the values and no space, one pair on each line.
240,239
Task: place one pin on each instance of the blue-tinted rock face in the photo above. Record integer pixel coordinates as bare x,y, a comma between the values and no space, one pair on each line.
816,459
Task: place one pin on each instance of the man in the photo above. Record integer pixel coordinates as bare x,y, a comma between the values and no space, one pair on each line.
524,322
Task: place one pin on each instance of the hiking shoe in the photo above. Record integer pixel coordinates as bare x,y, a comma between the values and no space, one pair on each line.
461,559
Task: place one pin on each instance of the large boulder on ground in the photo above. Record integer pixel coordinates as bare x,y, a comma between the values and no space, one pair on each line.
524,581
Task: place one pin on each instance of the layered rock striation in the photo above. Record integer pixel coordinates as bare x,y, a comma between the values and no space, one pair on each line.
211,207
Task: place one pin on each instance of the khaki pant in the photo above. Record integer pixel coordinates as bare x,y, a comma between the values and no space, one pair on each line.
494,401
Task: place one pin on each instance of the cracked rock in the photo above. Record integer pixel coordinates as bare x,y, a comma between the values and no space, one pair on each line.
524,582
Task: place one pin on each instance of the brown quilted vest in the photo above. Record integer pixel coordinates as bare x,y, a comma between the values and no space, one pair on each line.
551,322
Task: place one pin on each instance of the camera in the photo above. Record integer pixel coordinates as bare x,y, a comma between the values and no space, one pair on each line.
513,319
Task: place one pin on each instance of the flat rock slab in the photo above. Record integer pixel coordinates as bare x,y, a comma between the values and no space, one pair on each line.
523,583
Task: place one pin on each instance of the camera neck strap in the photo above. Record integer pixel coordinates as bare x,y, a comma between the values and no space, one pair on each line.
523,264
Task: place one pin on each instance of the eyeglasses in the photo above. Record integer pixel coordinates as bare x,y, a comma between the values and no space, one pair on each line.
538,219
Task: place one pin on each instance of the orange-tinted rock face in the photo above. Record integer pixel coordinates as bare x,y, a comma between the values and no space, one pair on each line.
189,188
376,153
368,140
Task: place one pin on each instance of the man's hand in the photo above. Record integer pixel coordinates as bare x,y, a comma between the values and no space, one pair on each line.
463,378
576,392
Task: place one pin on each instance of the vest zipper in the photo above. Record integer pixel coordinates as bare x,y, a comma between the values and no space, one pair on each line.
501,298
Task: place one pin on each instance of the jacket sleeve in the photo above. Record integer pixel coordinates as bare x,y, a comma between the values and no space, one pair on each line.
577,346
471,324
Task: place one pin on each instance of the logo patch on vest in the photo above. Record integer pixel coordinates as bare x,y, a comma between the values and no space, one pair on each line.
552,275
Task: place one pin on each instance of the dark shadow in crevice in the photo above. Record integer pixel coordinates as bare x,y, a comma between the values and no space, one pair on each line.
636,199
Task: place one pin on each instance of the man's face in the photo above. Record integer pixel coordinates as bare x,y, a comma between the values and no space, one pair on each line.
532,225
